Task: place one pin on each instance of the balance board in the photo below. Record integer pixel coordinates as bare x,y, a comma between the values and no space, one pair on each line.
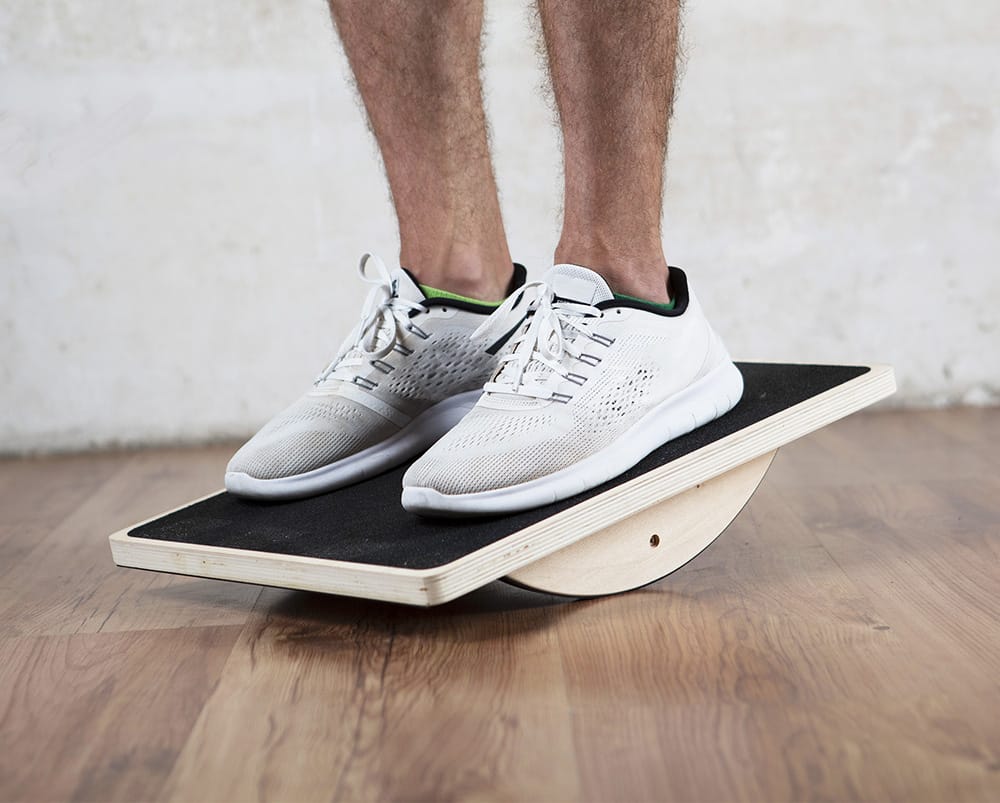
633,530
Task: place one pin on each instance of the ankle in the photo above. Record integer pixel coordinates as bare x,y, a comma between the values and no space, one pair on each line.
641,274
482,274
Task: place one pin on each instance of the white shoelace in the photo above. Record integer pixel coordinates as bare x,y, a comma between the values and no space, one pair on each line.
385,317
537,352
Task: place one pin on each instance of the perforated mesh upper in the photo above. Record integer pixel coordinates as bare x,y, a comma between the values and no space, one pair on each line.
451,364
313,432
512,439
497,448
622,391
324,427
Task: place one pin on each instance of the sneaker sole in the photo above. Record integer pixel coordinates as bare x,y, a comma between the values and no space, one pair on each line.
710,397
415,437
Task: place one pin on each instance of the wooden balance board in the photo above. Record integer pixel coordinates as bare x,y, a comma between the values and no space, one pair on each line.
641,526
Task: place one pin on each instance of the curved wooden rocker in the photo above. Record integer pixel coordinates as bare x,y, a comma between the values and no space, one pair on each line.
632,531
649,545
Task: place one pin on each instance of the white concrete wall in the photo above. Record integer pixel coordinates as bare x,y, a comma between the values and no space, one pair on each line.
185,188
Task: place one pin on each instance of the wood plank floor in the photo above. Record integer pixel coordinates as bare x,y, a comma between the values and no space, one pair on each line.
841,641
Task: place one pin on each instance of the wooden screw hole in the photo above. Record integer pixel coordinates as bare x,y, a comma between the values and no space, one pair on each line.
654,540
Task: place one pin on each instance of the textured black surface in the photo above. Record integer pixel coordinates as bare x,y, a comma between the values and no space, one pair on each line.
366,524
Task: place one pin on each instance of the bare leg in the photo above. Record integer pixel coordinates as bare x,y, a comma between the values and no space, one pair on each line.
417,69
612,66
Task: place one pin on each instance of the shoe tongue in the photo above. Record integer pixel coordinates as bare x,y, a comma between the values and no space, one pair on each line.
570,283
406,286
577,283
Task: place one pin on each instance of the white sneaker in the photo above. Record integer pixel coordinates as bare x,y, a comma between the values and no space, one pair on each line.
588,386
405,375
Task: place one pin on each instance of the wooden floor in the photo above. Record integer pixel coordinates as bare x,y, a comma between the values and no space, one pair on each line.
841,641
